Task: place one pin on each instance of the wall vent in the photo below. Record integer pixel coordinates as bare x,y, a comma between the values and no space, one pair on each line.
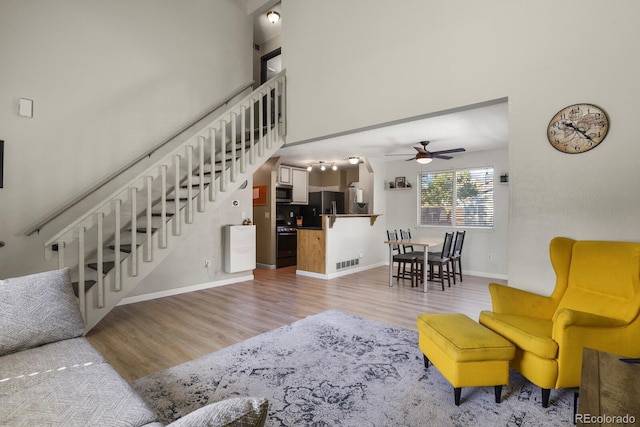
347,264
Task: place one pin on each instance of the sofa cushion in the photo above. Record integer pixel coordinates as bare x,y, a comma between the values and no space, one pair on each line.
38,309
528,333
66,383
237,412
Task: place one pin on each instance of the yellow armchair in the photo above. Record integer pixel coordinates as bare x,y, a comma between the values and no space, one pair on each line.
595,304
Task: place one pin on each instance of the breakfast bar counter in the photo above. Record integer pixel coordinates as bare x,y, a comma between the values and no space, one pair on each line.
343,245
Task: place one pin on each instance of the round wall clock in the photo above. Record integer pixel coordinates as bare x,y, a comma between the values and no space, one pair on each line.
578,128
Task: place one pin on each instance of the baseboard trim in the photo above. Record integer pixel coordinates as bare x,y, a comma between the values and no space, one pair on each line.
267,266
184,290
344,272
487,275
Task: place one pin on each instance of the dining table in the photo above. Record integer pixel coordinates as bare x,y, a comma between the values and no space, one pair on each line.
425,243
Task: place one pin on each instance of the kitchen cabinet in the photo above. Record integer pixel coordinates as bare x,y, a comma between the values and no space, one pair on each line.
311,250
284,175
239,248
300,191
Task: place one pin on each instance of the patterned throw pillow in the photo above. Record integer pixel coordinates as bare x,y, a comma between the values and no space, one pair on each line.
38,309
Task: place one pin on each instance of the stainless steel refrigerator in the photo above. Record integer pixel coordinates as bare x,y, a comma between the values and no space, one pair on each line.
322,202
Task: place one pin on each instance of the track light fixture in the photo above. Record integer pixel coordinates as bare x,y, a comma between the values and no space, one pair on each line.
354,160
323,166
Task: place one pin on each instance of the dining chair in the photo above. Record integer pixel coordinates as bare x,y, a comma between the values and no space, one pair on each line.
402,259
456,255
417,254
441,261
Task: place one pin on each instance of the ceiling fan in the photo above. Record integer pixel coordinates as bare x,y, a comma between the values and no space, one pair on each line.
423,156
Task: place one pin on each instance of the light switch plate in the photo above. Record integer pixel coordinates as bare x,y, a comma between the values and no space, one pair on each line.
25,107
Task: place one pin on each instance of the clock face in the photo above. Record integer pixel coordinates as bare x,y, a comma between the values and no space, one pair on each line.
578,128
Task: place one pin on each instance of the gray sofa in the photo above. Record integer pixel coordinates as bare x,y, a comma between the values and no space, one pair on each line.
51,376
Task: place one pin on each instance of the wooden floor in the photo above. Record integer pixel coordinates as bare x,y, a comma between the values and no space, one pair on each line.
142,338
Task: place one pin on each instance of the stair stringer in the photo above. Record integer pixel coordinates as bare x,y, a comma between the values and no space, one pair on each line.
94,313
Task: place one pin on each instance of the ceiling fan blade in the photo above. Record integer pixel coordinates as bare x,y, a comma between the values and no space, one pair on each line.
440,156
454,150
406,154
411,159
420,150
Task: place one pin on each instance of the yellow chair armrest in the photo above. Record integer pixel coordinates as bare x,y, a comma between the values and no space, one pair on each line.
566,317
509,300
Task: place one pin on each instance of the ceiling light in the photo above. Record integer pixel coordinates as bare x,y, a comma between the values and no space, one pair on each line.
354,160
273,16
334,167
309,168
322,167
423,160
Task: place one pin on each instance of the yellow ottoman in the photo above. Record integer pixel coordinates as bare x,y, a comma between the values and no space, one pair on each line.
466,353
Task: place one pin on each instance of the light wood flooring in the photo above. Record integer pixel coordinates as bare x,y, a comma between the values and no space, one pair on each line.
142,338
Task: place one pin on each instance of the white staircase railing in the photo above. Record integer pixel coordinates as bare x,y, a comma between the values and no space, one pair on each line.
113,246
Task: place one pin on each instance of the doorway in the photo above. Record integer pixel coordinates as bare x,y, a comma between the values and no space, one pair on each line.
270,65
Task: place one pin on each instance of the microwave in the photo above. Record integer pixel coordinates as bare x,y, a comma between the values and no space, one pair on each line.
284,194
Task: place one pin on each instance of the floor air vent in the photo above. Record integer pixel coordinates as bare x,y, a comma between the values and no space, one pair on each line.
348,263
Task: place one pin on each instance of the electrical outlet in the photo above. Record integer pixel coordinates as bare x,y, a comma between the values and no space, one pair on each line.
490,257
207,263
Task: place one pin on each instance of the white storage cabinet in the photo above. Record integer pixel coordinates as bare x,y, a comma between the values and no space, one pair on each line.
239,248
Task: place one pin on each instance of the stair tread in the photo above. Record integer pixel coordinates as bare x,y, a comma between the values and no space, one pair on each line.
87,285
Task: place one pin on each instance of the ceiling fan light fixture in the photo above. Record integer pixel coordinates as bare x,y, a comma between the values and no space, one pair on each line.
423,160
354,160
273,16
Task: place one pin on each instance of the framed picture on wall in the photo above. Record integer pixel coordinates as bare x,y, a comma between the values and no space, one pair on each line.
259,195
400,182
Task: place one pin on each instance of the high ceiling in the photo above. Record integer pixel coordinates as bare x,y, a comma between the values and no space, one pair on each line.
478,127
475,128
263,30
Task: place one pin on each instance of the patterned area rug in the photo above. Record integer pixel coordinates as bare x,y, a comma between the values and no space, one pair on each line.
336,369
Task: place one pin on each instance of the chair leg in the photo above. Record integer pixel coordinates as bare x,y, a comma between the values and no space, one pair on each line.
498,390
446,264
459,262
452,266
441,276
456,395
426,361
545,397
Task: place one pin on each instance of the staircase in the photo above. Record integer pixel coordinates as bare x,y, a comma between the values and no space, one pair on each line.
114,246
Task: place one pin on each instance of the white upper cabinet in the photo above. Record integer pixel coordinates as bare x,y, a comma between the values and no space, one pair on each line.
284,175
300,181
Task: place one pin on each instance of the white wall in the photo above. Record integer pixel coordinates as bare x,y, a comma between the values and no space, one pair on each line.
185,266
402,211
109,80
354,238
374,63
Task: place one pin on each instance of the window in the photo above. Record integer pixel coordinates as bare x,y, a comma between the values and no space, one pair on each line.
468,203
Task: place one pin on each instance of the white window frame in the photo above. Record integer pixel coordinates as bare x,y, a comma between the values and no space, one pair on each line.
454,203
